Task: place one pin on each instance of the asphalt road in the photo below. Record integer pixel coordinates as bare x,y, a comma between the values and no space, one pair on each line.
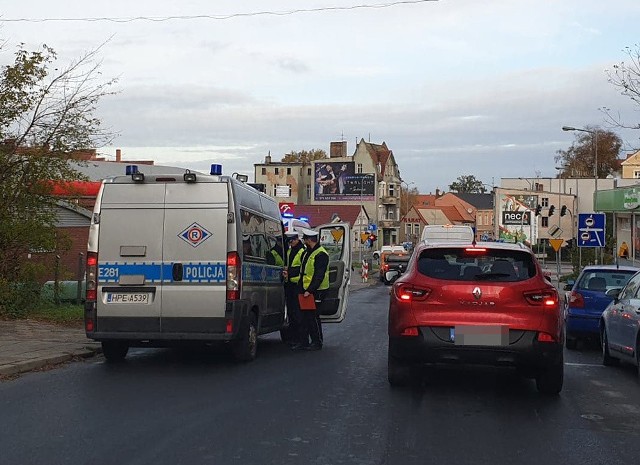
328,407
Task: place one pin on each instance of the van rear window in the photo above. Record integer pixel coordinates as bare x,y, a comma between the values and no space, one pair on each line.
458,264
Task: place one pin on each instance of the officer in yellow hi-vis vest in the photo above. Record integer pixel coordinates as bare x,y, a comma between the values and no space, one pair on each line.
314,281
276,254
293,260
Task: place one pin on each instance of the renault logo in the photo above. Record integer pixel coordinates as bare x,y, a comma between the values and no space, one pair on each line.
477,293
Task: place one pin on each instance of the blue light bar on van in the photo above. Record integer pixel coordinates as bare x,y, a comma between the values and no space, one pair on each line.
216,170
287,215
131,169
303,218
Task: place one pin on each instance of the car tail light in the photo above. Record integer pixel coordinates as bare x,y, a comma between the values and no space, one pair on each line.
576,300
233,276
475,249
543,298
546,337
229,327
411,331
92,275
409,292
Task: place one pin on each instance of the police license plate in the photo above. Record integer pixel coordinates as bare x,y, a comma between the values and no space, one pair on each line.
127,298
480,335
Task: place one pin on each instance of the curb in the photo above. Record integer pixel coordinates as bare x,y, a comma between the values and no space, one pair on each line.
25,366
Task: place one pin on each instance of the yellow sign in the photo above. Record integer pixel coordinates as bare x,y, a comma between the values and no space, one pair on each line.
337,234
556,243
364,236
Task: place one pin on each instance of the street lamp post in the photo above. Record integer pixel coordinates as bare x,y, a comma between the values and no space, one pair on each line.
595,165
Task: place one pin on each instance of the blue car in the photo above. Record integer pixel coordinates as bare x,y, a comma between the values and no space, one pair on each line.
587,300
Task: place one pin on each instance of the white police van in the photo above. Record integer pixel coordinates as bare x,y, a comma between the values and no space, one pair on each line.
192,257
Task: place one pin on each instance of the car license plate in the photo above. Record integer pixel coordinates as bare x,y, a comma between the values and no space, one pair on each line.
127,298
480,335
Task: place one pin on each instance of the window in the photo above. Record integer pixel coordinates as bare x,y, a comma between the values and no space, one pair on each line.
636,174
254,241
275,190
359,170
416,229
264,171
308,191
545,201
308,171
545,221
277,170
290,189
407,229
391,190
288,171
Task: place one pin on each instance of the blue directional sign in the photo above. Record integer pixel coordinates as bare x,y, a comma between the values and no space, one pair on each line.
591,227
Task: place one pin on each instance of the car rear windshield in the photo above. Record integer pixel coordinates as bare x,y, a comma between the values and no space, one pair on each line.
473,264
603,280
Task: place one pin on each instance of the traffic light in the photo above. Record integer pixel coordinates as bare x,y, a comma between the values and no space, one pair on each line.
563,210
538,209
552,208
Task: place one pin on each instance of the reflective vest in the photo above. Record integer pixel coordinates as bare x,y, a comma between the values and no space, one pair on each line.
277,258
295,263
307,274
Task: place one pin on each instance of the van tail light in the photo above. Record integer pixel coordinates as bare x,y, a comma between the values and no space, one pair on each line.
92,277
576,300
233,276
543,298
409,292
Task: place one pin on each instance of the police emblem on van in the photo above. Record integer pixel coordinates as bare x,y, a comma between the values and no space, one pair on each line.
194,235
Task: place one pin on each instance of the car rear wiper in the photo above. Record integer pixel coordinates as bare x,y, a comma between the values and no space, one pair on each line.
487,276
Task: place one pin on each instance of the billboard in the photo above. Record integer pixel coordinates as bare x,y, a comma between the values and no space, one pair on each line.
338,181
516,218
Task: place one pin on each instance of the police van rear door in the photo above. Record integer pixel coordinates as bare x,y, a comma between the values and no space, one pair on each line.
130,256
195,251
335,238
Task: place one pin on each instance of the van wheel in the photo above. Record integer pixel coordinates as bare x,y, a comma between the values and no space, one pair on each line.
246,347
549,381
115,351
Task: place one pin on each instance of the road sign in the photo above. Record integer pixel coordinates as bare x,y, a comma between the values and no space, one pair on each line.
556,243
286,208
591,228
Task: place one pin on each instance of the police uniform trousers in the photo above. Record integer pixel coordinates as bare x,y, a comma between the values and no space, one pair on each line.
294,332
311,322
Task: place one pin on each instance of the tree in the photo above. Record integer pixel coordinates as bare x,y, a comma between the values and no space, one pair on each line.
578,160
626,78
45,115
304,156
467,183
408,198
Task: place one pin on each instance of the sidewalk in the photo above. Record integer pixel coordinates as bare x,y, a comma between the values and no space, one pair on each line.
27,345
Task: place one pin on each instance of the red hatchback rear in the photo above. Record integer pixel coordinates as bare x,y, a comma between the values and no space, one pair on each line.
485,303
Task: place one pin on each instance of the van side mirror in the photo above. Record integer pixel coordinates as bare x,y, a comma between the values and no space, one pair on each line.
614,293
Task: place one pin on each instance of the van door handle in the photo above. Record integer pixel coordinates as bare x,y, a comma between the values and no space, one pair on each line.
176,271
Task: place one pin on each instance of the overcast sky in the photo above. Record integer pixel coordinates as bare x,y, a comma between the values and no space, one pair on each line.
453,87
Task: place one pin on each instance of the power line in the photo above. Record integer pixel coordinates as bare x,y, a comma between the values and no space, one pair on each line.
215,17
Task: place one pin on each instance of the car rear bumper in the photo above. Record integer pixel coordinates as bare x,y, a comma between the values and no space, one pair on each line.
583,325
432,346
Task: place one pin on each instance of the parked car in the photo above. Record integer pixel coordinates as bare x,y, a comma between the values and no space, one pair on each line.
394,262
384,266
587,300
388,248
486,304
620,325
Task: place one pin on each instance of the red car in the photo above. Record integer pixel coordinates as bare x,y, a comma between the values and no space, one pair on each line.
486,303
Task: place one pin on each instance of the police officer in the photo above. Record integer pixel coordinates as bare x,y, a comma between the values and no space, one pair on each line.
276,254
314,280
292,278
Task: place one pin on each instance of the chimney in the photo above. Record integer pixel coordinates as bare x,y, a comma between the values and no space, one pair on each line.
338,149
118,155
437,193
267,159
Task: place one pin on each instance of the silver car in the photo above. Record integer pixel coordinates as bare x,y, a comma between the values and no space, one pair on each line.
620,325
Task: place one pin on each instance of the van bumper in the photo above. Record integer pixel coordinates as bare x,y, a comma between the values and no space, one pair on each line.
167,329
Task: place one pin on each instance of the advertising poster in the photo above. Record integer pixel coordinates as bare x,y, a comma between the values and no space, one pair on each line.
338,181
516,220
